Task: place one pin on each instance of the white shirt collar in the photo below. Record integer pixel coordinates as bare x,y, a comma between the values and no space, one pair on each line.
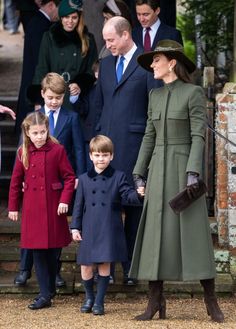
153,30
46,15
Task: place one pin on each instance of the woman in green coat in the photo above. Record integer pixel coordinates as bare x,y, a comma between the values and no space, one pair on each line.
69,50
169,246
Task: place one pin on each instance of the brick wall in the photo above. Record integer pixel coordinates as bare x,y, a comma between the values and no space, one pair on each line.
226,172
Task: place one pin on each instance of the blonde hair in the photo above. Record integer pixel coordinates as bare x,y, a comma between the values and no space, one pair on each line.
83,36
101,143
54,82
32,119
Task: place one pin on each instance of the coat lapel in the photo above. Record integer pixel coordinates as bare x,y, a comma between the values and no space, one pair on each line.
61,121
131,67
158,36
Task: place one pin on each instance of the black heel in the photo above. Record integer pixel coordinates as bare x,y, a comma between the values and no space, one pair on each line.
162,309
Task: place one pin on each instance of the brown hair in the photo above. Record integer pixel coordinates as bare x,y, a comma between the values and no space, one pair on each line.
154,4
54,82
180,69
124,9
83,36
32,119
101,143
44,2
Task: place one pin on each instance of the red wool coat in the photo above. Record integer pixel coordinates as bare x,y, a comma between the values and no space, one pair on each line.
48,181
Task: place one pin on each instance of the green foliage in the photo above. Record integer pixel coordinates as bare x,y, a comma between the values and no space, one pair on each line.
216,28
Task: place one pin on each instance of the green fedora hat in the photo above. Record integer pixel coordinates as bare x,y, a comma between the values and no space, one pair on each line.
170,47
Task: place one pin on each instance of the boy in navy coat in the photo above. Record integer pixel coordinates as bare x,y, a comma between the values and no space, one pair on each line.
97,221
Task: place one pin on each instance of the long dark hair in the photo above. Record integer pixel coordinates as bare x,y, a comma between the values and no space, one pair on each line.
180,69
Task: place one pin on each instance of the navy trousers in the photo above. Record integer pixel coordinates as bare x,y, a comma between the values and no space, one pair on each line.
45,264
27,261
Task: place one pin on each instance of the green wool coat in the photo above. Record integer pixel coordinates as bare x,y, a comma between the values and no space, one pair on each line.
60,52
170,246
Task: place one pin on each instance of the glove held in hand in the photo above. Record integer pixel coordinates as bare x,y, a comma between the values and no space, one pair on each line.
186,197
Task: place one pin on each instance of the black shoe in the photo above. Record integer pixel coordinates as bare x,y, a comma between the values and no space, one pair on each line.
98,309
52,295
22,277
40,303
129,281
87,306
60,282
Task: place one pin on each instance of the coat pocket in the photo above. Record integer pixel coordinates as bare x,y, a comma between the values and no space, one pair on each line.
178,115
156,115
57,186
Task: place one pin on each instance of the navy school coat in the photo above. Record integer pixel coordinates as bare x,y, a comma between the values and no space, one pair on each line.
98,215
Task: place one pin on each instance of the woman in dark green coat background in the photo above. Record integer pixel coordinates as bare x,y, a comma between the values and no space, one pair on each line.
169,246
69,50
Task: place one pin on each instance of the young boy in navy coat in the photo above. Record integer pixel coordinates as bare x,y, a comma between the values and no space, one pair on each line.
97,221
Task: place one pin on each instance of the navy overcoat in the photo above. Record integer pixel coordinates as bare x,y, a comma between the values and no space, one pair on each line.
122,109
98,215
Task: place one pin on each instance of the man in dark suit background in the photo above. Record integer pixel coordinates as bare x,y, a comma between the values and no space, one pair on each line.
40,23
122,109
148,16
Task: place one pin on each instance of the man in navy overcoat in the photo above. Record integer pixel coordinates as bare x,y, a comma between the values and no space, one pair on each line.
122,111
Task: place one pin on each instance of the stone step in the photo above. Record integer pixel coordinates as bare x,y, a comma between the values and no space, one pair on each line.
224,286
9,101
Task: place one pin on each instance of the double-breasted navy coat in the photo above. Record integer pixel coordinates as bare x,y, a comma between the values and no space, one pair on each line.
98,215
48,181
122,109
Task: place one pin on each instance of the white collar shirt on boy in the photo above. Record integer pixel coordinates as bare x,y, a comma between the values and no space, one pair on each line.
55,114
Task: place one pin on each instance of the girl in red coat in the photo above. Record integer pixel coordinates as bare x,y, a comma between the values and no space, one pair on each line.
43,169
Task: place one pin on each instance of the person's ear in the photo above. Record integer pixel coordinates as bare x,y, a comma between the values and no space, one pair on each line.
42,93
90,156
172,64
112,157
157,11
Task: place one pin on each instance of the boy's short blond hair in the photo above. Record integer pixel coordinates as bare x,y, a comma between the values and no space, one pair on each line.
54,82
101,143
